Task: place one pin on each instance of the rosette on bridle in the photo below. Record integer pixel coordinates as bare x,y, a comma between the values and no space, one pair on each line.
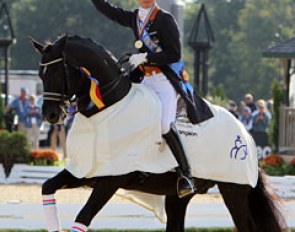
94,91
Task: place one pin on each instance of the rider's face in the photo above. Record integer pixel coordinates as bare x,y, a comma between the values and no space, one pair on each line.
146,3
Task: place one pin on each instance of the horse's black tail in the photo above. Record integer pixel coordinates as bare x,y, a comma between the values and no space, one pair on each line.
264,208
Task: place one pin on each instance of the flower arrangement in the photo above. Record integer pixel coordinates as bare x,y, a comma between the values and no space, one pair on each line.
292,162
43,157
273,160
275,165
14,148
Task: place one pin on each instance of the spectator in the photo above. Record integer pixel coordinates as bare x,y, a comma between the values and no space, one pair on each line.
261,118
247,118
241,107
233,108
267,112
58,136
33,121
260,124
19,105
250,102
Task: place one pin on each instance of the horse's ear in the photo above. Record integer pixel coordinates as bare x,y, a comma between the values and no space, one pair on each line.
62,41
38,46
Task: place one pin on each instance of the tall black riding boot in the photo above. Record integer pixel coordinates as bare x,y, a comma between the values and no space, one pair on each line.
185,184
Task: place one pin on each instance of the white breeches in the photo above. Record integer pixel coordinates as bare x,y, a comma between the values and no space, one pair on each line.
168,97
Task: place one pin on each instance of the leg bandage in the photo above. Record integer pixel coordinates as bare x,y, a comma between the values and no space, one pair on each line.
78,227
50,211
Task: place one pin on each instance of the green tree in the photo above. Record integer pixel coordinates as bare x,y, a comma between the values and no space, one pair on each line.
243,30
224,19
262,23
223,16
45,20
277,94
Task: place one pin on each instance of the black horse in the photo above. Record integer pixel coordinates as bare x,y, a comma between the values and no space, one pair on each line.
252,209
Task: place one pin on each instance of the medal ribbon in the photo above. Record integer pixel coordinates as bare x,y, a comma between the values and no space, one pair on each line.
141,25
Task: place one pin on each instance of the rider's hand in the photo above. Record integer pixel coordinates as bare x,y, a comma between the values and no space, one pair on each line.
137,59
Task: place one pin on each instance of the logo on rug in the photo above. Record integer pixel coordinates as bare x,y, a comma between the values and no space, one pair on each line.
239,151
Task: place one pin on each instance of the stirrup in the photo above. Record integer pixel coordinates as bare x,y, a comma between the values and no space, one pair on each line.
185,192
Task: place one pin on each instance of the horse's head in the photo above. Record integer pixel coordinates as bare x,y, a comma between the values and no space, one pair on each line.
69,66
58,87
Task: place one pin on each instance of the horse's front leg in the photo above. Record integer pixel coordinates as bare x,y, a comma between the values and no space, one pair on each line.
176,210
62,180
102,192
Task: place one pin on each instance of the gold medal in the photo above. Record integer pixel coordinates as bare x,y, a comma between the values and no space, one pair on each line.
138,44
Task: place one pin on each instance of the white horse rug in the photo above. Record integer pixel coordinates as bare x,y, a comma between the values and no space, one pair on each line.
125,138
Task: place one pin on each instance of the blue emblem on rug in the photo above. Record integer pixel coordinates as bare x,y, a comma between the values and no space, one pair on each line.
239,151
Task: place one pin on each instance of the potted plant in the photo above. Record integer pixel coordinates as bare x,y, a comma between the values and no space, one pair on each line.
14,148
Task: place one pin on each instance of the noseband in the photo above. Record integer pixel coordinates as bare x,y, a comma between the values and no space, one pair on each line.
54,96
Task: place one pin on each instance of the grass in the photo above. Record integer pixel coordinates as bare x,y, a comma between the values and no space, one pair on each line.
188,230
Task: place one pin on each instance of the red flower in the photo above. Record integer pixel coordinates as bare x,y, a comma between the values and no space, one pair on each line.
273,160
44,155
292,162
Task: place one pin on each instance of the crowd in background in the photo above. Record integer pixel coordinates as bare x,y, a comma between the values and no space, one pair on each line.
24,114
255,116
27,116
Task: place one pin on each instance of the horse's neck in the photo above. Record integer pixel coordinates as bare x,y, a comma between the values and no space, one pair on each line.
110,95
104,69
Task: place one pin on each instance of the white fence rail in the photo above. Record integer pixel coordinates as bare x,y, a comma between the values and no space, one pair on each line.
2,174
287,129
283,186
20,173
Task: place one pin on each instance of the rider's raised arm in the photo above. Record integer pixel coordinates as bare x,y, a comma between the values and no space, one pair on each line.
117,14
169,41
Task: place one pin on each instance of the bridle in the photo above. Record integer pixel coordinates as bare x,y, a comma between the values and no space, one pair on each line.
63,97
54,96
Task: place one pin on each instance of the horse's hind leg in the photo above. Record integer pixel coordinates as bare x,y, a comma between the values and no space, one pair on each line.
64,179
176,210
236,199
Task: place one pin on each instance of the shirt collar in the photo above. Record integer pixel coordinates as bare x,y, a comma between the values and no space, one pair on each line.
143,12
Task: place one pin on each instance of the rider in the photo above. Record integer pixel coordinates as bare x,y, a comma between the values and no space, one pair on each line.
157,39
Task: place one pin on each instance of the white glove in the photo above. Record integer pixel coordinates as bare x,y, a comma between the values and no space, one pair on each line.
137,59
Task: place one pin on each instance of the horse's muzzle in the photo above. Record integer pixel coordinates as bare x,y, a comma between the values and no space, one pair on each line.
53,115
